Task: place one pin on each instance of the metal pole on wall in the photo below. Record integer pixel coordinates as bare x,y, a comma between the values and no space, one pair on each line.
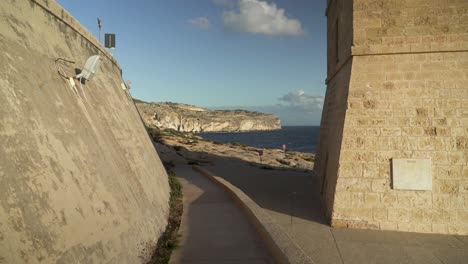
99,26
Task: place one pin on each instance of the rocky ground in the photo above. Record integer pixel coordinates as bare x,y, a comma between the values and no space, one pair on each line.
198,151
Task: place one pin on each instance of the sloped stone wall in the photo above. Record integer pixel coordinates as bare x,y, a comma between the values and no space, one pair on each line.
80,181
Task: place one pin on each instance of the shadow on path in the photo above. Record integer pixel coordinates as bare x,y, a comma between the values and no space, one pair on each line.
213,228
292,198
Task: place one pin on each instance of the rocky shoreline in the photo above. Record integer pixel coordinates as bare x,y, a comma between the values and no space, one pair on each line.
196,151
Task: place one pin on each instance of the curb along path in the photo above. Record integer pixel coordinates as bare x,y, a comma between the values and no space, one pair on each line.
283,248
213,228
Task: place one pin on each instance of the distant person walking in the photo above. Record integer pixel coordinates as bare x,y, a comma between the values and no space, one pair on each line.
260,154
284,150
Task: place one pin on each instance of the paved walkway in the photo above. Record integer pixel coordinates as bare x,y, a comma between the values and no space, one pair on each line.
292,199
213,228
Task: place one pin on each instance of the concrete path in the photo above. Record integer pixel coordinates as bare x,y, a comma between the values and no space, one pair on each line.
292,199
213,228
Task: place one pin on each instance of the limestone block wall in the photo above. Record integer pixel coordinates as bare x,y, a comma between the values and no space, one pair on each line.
331,133
339,34
80,181
339,15
399,108
407,98
409,26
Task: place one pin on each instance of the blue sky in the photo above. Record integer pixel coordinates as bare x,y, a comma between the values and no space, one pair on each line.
251,54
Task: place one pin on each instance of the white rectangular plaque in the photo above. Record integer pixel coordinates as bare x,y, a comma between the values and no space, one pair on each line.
412,174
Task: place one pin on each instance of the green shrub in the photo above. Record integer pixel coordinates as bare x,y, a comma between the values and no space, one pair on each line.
177,148
193,162
168,165
176,188
238,144
170,240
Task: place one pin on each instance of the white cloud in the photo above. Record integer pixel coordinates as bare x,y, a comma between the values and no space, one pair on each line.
261,17
226,3
300,100
201,23
295,108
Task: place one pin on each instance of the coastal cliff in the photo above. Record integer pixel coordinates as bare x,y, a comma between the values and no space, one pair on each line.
189,118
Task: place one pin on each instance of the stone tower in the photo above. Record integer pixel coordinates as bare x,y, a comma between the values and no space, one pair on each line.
393,151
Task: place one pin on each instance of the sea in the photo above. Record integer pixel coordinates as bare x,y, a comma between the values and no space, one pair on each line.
296,138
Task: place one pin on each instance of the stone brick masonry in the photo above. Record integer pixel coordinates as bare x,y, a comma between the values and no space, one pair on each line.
397,88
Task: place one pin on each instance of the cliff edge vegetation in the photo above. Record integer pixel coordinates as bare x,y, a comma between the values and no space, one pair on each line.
189,118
